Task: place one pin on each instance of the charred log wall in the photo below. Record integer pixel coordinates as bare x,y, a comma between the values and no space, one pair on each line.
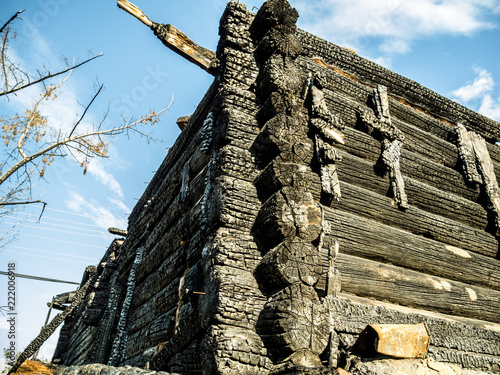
296,172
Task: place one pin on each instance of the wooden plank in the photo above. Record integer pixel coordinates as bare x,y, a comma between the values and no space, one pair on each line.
372,240
371,205
436,200
417,140
385,282
179,153
361,173
370,73
468,342
412,166
424,134
150,309
158,331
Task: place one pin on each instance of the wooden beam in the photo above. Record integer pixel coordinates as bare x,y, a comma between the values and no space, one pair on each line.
175,39
366,278
374,206
369,239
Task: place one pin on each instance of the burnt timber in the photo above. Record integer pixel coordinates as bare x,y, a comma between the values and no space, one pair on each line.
311,193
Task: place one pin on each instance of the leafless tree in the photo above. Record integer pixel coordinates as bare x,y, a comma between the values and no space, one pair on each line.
31,140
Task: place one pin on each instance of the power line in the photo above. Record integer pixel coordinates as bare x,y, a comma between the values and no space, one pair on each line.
50,252
66,221
39,278
41,256
66,212
57,225
55,230
56,239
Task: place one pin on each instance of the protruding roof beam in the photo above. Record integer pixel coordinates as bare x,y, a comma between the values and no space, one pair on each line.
175,39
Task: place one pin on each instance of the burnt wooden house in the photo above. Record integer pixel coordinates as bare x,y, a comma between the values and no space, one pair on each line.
311,193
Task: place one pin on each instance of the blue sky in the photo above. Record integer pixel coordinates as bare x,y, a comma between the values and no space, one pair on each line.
449,46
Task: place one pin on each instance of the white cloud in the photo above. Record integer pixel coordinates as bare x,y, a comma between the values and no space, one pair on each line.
482,84
478,94
98,170
397,22
490,107
100,215
119,205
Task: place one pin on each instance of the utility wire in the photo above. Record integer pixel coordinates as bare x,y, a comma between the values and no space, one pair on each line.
39,278
50,252
56,230
67,212
41,256
62,220
57,225
56,239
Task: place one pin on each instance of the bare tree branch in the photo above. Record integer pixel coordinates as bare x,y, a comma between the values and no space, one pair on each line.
86,109
47,76
11,19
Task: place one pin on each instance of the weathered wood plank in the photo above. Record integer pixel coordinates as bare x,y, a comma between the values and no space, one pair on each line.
164,263
385,282
377,241
179,153
450,183
158,331
361,173
468,342
382,209
416,140
150,309
424,134
370,73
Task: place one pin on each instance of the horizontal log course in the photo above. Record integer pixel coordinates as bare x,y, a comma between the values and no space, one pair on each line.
154,209
179,153
374,176
83,339
238,68
239,299
148,310
433,199
417,140
235,249
376,207
237,203
358,93
424,134
360,172
466,360
236,126
156,272
369,239
236,98
156,332
398,285
447,333
235,162
175,229
370,73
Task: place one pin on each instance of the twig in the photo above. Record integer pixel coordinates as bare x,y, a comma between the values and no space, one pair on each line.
11,19
49,75
85,111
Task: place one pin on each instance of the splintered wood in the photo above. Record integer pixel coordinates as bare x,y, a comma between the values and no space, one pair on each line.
392,141
174,39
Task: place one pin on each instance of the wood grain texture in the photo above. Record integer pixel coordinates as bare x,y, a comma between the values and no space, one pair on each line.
367,278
